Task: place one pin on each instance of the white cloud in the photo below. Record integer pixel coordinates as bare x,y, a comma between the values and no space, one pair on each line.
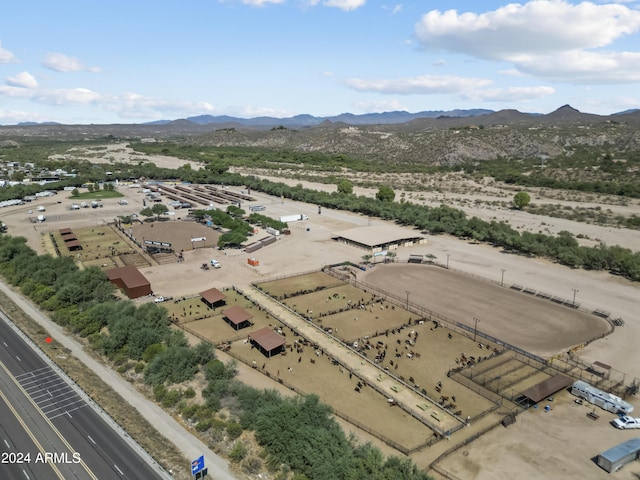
60,62
24,80
532,35
346,5
15,92
396,9
584,66
67,96
6,56
511,94
260,3
511,72
425,84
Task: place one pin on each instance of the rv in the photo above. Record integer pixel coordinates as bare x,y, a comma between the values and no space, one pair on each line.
604,400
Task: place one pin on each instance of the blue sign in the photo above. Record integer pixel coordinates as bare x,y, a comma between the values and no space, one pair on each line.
197,465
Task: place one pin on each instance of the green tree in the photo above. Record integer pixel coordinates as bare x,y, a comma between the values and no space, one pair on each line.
521,200
385,194
147,212
159,209
345,186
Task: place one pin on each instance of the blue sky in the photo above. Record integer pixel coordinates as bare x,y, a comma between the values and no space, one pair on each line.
133,62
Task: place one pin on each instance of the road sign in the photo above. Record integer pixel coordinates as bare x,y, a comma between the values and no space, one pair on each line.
197,465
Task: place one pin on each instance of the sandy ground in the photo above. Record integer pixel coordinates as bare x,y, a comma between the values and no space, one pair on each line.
559,444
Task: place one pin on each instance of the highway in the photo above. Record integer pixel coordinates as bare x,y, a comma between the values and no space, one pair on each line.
43,413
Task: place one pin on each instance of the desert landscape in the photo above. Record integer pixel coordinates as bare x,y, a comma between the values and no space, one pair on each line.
466,283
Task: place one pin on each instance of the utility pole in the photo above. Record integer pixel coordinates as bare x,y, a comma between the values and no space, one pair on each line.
475,330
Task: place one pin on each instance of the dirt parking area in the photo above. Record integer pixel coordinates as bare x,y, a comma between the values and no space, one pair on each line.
558,444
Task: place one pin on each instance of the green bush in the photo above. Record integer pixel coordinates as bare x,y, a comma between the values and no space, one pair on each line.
238,452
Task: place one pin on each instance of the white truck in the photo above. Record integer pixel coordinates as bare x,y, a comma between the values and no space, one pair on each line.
215,263
625,422
293,218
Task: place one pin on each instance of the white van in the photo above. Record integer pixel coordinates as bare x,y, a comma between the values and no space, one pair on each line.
215,263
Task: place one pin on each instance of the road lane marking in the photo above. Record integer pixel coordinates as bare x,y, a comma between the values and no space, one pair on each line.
28,431
46,419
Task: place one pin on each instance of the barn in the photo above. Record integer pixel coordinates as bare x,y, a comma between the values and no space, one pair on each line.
130,280
267,341
377,238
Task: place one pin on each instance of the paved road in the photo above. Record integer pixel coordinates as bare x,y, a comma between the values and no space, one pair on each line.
51,403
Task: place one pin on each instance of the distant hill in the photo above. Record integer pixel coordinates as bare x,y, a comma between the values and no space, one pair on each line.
300,121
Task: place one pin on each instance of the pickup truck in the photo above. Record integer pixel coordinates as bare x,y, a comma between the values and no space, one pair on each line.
625,422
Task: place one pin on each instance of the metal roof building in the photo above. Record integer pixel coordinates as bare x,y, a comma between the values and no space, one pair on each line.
130,280
547,388
379,237
237,317
213,297
617,457
267,341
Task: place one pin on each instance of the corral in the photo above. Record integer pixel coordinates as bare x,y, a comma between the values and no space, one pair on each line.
102,246
397,341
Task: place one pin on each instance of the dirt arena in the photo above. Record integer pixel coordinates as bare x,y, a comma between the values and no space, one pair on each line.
537,326
178,233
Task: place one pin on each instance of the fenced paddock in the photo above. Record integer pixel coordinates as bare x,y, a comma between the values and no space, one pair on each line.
306,369
297,285
416,352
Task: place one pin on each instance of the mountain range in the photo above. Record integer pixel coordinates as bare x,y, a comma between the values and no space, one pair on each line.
436,137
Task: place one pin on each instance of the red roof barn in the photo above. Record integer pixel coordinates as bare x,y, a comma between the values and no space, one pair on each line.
130,280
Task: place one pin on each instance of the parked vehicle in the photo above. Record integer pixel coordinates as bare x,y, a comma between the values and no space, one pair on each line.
604,400
159,299
293,218
215,263
625,422
257,208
